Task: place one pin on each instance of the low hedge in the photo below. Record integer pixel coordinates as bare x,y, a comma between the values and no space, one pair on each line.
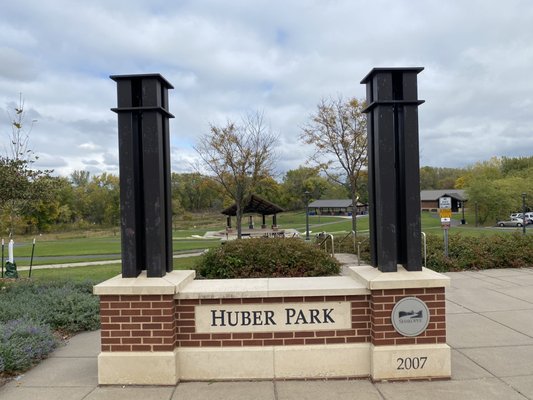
266,258
473,253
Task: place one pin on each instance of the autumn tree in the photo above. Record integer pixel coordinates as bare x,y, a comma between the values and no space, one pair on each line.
338,133
195,192
269,189
239,156
434,178
496,186
308,179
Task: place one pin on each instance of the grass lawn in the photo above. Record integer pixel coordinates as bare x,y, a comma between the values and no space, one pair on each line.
431,225
97,273
105,245
88,249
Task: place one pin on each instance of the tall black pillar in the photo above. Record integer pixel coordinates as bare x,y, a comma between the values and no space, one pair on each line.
144,153
393,168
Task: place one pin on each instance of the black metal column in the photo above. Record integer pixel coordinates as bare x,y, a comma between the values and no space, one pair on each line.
144,153
393,168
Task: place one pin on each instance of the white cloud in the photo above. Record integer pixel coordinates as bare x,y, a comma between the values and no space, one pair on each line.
88,146
226,59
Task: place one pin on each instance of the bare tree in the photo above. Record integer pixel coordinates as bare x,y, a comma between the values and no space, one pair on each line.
239,156
20,134
338,133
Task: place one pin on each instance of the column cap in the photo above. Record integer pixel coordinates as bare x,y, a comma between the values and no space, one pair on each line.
376,70
159,77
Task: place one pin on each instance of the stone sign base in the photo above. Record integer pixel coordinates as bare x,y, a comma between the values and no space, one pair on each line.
158,331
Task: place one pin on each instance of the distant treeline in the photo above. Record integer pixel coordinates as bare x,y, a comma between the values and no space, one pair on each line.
83,200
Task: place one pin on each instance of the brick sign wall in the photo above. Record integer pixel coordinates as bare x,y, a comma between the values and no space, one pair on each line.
358,330
137,322
382,303
160,331
160,323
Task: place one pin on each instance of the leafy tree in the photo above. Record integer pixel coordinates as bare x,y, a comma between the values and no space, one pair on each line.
496,186
496,199
195,192
308,179
338,133
90,199
517,165
21,185
103,198
269,189
490,170
66,197
239,156
295,183
433,178
80,178
21,188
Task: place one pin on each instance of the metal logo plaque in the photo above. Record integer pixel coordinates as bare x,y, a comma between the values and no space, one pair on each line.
410,316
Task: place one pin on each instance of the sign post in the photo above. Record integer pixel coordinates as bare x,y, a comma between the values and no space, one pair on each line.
445,213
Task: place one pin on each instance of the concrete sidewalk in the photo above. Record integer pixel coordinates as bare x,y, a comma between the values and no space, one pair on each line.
490,330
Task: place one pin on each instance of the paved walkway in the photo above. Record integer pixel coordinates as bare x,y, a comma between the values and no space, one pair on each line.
490,330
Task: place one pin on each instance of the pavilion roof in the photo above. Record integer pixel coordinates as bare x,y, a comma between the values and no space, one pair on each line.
255,205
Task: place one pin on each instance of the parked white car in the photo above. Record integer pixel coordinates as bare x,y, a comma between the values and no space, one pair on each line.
529,217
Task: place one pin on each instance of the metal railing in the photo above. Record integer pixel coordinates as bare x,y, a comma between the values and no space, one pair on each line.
325,243
424,240
351,233
359,250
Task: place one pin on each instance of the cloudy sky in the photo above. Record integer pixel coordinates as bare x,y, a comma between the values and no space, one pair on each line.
226,58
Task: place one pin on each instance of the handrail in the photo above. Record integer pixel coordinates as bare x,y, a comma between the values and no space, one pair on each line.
324,242
352,233
425,249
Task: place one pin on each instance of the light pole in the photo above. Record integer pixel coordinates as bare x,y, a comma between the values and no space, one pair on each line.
463,221
524,213
307,194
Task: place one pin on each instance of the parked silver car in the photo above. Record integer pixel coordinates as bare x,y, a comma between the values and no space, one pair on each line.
512,222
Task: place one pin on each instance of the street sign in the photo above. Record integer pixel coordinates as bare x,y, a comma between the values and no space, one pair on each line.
445,220
445,202
445,213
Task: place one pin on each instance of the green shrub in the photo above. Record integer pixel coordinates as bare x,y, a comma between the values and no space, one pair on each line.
266,258
64,306
469,252
475,253
22,343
